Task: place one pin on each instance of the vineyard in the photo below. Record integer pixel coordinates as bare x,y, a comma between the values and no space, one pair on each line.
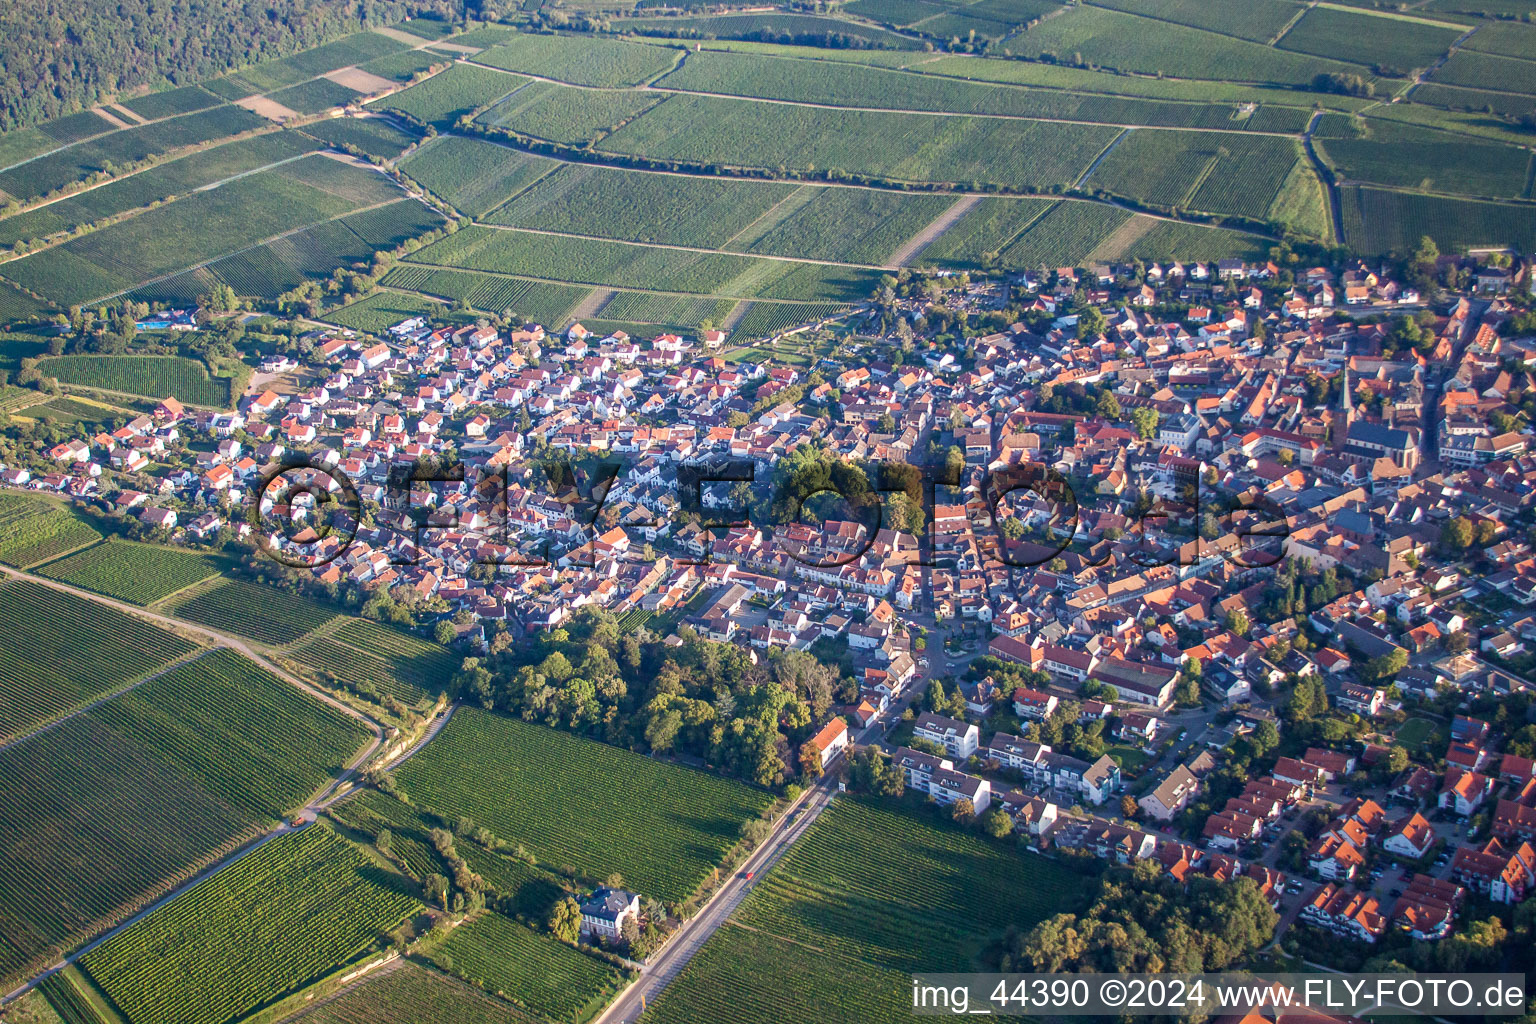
273,921
264,614
1399,44
136,573
561,113
1128,43
474,176
92,827
1479,71
535,971
1379,221
58,651
449,95
983,232
766,319
599,62
261,744
1218,173
739,977
177,177
832,890
373,659
33,530
573,801
380,311
150,376
638,206
65,166
201,226
851,225
647,307
172,101
314,96
622,265
851,85
409,994
537,301
900,146
373,135
1423,159
1065,235
833,893
1257,21
410,844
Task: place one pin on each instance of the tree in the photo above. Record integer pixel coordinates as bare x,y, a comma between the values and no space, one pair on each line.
1237,622
1091,323
565,920
810,760
1145,421
963,811
436,889
1128,806
1107,405
1457,535
444,633
997,823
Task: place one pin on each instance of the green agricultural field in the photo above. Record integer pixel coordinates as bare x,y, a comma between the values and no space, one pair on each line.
534,301
445,97
270,269
571,801
623,265
1395,45
263,613
639,206
1454,97
410,994
1258,21
364,656
1064,236
472,175
380,311
150,376
136,573
853,85
171,101
114,807
982,233
402,67
904,147
266,926
562,113
16,304
1148,239
529,968
852,225
1394,154
62,651
1223,173
1509,38
832,893
1473,70
1380,221
33,530
766,319
202,226
262,744
1127,42
409,842
648,307
581,60
177,177
315,95
119,148
776,27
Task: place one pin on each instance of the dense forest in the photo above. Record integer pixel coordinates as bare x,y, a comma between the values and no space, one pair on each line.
59,56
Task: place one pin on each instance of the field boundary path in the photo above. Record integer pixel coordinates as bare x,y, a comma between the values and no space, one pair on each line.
914,246
1326,176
